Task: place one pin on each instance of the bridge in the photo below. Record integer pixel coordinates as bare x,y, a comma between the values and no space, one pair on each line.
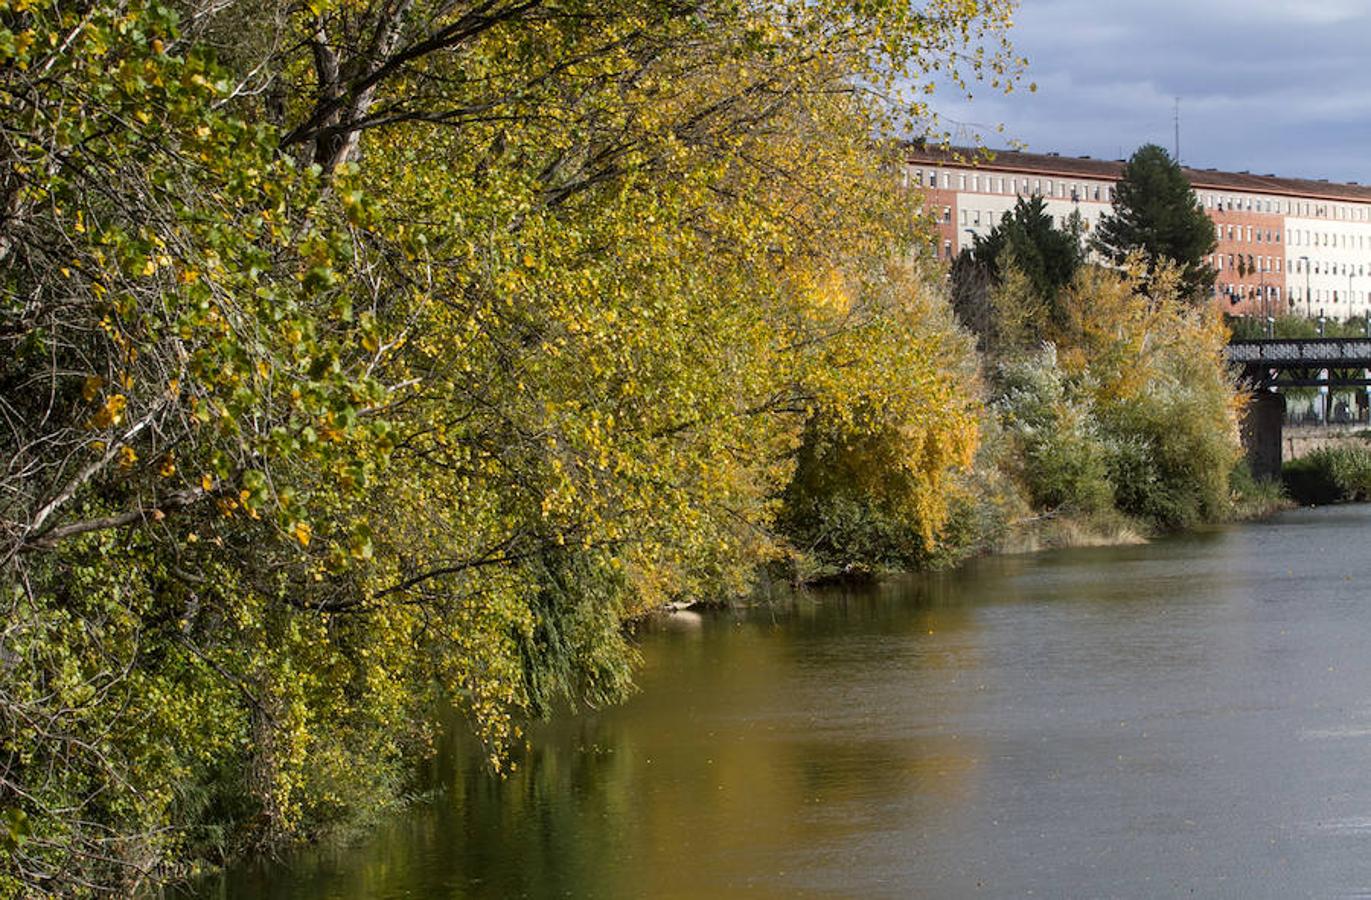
1268,365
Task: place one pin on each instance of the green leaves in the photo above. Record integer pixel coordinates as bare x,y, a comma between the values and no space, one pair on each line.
326,413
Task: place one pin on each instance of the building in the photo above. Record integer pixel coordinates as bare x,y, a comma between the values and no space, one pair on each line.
1285,245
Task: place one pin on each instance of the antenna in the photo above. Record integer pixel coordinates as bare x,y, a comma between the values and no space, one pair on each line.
1178,130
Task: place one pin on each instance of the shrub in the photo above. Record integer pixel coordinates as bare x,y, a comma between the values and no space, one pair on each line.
1059,454
1329,475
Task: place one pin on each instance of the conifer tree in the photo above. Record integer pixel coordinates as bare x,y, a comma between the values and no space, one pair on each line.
1157,213
1026,241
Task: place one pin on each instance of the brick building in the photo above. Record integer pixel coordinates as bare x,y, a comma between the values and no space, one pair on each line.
1285,245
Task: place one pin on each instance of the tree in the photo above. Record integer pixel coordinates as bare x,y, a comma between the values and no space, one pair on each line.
1156,213
1028,241
388,354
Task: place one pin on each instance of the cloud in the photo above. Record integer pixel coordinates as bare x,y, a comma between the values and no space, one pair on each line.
1265,85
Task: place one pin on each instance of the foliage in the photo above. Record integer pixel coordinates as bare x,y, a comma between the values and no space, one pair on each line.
1061,455
1162,390
1329,475
1132,409
1157,214
1255,497
879,477
377,356
1007,287
1250,327
1027,239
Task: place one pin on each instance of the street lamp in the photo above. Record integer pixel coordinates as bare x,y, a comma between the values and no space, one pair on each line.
1308,308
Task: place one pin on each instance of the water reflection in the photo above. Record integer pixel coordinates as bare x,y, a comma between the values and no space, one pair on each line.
1190,715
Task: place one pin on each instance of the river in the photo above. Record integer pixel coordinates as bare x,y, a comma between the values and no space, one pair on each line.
1188,717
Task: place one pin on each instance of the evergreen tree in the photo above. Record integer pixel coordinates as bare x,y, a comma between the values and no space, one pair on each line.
1156,212
1048,255
1028,241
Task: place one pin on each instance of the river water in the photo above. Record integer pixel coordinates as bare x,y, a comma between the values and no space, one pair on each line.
1188,717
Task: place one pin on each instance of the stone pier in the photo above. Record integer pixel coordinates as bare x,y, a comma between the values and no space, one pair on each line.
1261,434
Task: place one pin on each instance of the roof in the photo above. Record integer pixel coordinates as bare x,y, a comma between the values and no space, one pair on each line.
1085,167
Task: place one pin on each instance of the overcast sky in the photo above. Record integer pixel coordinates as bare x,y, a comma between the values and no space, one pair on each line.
1270,86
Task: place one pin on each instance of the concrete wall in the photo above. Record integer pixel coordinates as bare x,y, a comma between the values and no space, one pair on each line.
1301,440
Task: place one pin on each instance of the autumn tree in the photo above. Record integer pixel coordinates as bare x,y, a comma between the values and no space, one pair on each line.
382,355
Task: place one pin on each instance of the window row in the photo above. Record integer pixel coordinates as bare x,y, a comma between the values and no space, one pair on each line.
1324,295
1245,264
1295,237
1303,237
1078,191
1236,292
1317,267
1313,209
1257,235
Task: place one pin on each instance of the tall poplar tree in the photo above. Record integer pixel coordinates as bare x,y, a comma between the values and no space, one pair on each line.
1157,213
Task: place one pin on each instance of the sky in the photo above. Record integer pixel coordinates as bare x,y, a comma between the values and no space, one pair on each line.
1270,86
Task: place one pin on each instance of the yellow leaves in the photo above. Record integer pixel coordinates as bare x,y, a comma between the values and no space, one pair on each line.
91,387
111,413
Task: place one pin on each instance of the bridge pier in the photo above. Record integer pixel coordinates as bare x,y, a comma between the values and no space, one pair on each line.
1261,434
